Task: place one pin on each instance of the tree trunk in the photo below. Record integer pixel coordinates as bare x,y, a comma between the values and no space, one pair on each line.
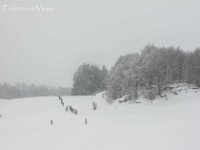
136,90
159,90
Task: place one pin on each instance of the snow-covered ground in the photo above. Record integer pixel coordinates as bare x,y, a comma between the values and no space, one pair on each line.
171,124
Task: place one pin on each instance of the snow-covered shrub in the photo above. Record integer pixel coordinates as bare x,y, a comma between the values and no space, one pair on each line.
175,93
149,93
109,100
125,98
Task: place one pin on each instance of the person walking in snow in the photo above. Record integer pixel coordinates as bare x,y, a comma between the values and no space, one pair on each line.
85,121
51,122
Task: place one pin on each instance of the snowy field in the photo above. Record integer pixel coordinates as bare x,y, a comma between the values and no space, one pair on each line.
171,124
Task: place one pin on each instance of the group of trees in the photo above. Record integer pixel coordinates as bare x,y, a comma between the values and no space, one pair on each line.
8,91
124,76
89,79
152,70
149,71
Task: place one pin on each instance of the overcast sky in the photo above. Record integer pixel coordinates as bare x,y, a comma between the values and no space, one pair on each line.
46,47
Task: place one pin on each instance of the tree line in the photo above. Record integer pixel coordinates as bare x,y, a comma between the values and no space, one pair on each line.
146,73
20,90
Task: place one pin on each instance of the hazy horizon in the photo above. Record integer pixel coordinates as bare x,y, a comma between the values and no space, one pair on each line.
45,48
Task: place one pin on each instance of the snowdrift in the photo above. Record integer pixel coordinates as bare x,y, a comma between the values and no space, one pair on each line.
171,124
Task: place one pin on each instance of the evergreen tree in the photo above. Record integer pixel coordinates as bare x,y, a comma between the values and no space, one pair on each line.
89,79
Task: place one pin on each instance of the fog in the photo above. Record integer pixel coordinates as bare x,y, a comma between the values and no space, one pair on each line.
46,47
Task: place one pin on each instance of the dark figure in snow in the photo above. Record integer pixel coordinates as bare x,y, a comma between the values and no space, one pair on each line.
70,109
85,121
75,112
51,122
66,108
0,115
94,106
60,98
62,103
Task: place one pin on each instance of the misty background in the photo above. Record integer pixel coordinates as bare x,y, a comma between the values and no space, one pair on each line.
46,48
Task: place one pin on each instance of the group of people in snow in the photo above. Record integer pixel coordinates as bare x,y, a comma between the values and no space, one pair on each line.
73,110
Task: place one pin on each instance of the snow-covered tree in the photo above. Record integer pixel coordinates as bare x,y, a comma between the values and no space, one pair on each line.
89,79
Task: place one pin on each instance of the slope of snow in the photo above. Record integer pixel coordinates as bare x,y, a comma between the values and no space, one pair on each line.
163,125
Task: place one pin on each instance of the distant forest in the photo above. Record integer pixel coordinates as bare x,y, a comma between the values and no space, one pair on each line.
20,90
149,71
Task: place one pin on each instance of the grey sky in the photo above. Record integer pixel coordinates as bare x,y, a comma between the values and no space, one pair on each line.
47,47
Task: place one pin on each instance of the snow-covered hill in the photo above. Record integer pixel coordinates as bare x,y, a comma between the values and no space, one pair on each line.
171,124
